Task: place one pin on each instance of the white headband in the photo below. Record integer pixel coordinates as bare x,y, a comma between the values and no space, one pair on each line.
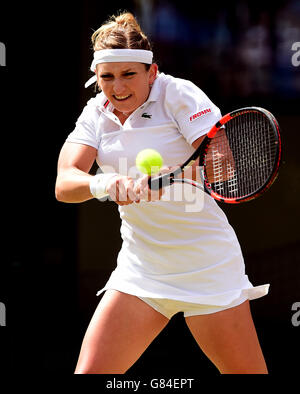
118,55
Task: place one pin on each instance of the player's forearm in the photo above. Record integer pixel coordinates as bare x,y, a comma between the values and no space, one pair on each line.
73,186
192,172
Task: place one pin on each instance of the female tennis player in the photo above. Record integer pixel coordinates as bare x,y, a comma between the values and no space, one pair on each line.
171,260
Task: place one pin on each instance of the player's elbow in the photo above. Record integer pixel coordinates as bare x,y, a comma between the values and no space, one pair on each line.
60,194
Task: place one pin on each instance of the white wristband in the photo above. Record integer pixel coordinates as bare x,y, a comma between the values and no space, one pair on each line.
98,184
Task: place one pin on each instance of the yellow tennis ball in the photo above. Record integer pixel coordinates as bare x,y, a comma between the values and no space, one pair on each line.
149,161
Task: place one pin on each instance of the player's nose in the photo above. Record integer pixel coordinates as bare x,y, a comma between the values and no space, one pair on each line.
119,87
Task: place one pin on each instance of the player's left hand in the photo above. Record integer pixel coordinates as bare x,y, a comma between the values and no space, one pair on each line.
142,187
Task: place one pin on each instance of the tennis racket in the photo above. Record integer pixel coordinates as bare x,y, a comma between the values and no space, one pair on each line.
238,159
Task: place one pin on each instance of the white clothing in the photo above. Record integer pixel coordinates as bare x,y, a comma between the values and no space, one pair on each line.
171,248
169,308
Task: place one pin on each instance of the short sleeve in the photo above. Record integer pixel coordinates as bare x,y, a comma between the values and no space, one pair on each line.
85,131
190,107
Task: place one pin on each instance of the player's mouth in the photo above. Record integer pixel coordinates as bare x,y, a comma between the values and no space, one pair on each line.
121,98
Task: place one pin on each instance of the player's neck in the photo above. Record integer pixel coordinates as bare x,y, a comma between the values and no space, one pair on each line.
122,115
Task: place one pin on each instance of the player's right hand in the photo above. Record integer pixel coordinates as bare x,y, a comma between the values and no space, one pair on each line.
144,192
121,190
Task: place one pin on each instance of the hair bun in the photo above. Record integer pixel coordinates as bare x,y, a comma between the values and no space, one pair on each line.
121,31
127,20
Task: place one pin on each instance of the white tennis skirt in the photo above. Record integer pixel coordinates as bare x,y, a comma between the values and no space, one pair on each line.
168,253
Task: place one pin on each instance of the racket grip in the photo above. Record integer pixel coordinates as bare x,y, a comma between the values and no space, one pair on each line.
155,183
158,182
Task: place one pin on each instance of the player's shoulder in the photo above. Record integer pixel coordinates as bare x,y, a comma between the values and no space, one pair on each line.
167,80
179,87
94,105
97,102
183,96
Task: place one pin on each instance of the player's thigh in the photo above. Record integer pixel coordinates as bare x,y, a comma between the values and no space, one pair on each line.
122,327
229,340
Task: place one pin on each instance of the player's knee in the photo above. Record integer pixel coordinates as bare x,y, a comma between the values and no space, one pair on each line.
245,369
98,368
87,370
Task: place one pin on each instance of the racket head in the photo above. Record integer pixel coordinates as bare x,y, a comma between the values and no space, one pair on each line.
249,139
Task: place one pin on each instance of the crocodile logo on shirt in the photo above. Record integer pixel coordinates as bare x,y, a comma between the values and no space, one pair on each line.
145,115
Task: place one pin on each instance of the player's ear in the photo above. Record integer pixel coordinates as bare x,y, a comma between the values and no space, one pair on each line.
152,73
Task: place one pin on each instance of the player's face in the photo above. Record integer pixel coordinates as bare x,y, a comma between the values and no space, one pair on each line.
126,85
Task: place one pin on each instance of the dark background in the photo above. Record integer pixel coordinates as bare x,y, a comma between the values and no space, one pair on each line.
56,256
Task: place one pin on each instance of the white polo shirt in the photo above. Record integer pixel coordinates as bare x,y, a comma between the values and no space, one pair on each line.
181,247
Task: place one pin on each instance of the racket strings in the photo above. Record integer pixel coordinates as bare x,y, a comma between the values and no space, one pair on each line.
242,155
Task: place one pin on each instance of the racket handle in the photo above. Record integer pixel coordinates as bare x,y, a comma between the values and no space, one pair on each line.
158,182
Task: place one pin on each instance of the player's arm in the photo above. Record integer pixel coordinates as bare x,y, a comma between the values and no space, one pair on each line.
222,161
223,158
192,172
73,178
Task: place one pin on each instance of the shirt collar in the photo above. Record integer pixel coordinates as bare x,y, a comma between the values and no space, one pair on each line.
155,90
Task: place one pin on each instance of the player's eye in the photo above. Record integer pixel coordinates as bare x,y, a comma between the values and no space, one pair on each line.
106,77
129,74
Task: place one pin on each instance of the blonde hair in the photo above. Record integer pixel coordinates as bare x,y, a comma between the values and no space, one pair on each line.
120,32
